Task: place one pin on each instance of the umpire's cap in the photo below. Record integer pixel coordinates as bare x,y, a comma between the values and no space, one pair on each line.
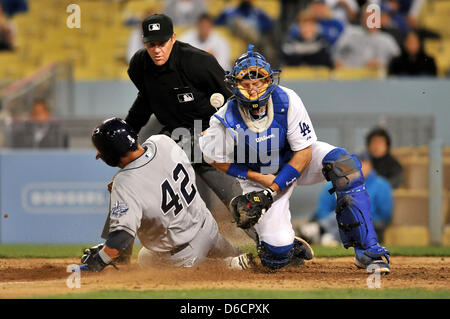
114,138
157,27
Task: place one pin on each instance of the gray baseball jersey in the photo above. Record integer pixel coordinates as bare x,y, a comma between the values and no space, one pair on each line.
155,197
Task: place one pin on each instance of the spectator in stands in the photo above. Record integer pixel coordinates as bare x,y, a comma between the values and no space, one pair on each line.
330,27
345,11
378,143
305,45
289,10
39,130
413,61
393,22
11,7
184,13
6,32
252,25
135,41
204,37
365,46
381,202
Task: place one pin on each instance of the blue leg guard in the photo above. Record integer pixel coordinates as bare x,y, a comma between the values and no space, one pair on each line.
353,212
275,257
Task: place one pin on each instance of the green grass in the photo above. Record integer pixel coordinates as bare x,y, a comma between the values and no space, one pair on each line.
261,294
68,251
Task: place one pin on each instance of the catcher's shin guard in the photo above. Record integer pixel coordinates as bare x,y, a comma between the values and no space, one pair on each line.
353,211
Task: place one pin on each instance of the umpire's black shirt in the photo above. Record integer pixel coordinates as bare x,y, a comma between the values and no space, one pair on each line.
177,92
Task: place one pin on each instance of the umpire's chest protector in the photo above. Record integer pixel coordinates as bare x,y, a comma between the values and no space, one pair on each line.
262,149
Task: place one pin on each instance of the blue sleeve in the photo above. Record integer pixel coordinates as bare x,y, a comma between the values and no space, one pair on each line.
265,23
294,32
383,201
331,30
326,203
222,19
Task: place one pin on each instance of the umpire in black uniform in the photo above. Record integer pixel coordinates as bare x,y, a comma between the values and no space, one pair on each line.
175,81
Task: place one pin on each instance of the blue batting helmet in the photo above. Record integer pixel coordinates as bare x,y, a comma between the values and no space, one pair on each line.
252,65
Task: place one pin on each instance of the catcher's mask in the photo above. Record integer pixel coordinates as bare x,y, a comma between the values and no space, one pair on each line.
252,66
113,139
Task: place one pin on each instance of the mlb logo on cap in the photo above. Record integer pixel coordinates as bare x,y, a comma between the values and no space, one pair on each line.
154,27
157,27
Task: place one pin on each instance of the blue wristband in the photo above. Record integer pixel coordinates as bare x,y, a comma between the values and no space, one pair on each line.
286,176
238,170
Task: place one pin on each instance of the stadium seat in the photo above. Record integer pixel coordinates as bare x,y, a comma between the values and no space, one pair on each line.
305,73
139,7
411,207
356,74
407,236
446,164
446,236
415,172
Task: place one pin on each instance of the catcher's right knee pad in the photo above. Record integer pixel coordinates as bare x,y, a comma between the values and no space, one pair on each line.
275,257
353,212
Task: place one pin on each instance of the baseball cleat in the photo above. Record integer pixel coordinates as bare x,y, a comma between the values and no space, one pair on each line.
376,266
241,262
375,259
302,249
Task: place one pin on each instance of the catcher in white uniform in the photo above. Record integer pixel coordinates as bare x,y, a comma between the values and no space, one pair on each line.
264,137
154,196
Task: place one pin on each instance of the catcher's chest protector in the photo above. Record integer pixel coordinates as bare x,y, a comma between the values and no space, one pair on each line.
268,148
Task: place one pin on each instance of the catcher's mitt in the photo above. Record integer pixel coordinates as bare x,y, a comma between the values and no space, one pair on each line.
249,208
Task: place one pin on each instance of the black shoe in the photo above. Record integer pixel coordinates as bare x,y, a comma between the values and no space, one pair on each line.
302,249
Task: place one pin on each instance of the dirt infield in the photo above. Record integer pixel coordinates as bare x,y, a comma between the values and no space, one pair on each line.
44,277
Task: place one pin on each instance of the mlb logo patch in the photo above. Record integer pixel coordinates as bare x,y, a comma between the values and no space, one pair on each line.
185,97
154,27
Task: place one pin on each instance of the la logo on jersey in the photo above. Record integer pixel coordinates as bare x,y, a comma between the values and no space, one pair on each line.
154,27
119,209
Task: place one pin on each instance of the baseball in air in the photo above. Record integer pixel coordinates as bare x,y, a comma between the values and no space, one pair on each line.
216,100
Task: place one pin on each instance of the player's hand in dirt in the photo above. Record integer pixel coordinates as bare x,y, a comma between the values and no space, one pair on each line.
93,263
92,259
91,251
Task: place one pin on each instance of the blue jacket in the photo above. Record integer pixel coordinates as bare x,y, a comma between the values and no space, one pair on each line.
330,29
261,20
380,193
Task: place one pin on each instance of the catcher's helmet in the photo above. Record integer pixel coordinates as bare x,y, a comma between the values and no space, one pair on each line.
114,138
252,65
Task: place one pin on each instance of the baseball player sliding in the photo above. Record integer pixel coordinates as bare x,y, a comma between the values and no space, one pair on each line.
264,137
154,196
